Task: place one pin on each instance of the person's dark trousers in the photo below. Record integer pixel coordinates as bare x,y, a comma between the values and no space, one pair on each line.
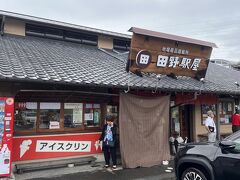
110,151
235,128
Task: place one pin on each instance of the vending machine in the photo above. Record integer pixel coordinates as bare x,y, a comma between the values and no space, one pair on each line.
6,135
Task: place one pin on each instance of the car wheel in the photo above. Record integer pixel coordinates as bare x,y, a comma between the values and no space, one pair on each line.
193,174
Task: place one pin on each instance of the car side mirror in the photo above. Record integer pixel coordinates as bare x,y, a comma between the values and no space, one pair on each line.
225,145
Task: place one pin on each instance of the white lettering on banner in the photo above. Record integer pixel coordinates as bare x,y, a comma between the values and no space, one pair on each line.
63,146
165,61
175,50
173,61
162,61
185,63
144,58
195,64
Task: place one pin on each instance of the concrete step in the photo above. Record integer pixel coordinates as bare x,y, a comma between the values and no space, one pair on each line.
54,164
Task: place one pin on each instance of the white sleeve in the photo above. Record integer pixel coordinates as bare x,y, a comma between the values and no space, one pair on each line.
207,122
180,140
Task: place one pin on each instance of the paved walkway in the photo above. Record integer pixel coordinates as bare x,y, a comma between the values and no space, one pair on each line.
100,173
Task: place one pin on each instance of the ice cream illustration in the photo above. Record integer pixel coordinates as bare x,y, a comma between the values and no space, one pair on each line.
24,147
98,144
101,145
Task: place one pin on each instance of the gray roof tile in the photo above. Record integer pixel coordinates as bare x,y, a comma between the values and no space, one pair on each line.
58,61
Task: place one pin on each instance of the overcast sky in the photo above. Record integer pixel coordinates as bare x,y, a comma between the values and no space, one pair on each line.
216,21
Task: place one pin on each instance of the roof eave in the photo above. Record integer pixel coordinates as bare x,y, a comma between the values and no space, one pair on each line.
63,24
171,37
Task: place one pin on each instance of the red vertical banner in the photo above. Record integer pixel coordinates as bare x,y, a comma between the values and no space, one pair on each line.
6,134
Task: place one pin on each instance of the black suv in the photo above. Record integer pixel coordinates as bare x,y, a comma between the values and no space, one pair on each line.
209,161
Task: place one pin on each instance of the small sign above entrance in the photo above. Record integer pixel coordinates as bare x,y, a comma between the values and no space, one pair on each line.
161,53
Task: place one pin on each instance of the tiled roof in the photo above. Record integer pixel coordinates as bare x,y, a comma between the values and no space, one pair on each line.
226,77
45,60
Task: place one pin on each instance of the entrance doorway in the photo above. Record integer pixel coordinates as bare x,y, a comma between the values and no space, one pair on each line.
182,121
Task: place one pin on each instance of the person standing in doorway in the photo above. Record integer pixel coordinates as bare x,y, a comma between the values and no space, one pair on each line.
236,120
108,137
211,127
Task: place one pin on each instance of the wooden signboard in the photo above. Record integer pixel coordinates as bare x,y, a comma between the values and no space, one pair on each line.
156,54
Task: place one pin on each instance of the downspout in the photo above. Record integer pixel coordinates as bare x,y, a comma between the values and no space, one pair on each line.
2,26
